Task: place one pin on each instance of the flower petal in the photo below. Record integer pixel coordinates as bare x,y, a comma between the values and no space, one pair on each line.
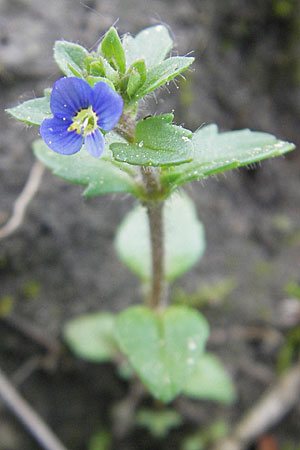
107,104
69,95
56,135
94,143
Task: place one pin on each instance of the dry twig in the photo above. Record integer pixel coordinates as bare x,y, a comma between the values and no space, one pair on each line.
280,399
23,200
35,334
30,419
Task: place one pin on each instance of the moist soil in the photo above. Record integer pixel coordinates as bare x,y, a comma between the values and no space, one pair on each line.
61,262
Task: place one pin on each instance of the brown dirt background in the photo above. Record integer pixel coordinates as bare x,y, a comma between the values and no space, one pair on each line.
247,74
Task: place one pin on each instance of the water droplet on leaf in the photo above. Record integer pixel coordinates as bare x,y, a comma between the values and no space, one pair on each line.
192,345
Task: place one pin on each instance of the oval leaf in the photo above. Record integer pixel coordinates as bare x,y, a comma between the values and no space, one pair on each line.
162,347
70,57
112,50
33,111
91,336
184,239
101,176
151,44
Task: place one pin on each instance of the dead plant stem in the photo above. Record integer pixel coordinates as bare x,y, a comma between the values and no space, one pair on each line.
30,419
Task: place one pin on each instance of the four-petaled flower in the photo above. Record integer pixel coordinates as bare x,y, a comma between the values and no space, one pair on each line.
79,111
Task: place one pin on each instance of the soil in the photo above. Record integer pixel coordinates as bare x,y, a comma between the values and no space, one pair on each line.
62,263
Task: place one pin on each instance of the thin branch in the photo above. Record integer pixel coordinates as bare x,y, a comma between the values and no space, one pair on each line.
30,419
35,334
22,373
20,205
26,370
277,402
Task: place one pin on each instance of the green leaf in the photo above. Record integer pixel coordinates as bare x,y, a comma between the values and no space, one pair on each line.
140,67
157,143
137,77
206,437
193,442
70,57
112,50
100,441
33,111
151,44
163,73
158,422
134,82
91,337
109,72
184,239
97,68
163,347
101,176
92,80
210,381
75,72
217,152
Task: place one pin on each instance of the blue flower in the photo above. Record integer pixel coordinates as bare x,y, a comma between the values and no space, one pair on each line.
79,111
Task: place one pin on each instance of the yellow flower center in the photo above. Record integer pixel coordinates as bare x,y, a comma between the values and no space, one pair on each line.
85,122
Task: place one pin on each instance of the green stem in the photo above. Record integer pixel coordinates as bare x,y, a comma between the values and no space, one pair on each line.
126,126
155,216
154,205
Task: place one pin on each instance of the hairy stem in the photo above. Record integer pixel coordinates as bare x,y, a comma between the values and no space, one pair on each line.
154,204
126,126
155,217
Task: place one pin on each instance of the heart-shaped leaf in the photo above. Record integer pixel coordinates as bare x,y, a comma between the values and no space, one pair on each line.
210,381
184,238
101,176
163,347
91,337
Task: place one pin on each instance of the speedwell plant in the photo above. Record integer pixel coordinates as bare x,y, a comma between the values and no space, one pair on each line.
91,134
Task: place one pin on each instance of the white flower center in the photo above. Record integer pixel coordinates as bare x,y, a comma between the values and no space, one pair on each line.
85,122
